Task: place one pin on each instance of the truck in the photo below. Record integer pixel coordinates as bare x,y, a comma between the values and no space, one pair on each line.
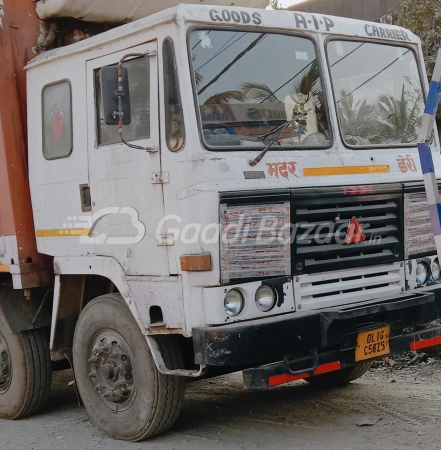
198,189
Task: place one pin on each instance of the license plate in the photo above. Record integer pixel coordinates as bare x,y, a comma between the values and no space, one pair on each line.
373,343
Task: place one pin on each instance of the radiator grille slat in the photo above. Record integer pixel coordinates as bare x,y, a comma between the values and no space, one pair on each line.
322,290
322,224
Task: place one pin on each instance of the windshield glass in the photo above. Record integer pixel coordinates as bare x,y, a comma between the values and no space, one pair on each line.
250,83
378,93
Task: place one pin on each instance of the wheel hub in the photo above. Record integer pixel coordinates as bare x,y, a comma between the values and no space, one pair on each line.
111,369
5,364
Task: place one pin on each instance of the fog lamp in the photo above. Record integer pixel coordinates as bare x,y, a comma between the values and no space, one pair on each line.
266,298
421,273
233,302
436,271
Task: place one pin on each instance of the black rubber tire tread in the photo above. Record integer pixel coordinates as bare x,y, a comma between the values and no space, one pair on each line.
174,386
36,344
166,391
340,377
31,372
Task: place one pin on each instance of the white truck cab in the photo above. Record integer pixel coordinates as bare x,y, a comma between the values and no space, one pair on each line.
226,188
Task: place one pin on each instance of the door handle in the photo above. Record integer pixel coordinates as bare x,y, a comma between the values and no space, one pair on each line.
86,201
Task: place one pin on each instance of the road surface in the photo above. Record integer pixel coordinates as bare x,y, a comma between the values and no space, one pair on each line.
220,415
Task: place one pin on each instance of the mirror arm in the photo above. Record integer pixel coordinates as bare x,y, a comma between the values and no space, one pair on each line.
120,95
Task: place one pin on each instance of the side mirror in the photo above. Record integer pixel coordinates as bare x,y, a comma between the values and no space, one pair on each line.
109,88
115,93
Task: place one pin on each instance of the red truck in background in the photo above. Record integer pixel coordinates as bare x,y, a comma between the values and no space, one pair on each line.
18,250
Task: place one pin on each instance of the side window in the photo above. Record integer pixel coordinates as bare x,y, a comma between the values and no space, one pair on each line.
138,71
174,120
57,120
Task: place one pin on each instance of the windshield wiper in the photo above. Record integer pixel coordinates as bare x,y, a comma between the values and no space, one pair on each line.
258,158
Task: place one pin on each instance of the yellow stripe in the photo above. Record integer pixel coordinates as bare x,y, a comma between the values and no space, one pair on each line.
63,232
4,268
347,170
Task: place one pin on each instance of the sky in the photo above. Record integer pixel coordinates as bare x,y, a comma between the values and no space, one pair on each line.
286,3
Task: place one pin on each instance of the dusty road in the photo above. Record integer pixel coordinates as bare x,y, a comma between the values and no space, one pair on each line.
218,414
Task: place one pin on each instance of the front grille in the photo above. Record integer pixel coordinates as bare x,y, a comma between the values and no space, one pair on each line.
324,290
322,223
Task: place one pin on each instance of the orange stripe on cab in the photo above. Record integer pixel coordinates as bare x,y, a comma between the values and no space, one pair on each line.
345,170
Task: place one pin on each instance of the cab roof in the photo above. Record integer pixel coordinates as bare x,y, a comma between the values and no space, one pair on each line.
272,20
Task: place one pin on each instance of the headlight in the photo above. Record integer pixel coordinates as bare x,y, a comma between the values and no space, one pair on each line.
233,303
266,298
436,271
421,273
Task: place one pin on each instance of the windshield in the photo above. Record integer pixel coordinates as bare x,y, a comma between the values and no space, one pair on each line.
378,93
250,83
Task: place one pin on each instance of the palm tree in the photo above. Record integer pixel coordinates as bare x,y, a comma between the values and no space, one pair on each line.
309,81
399,119
260,92
224,97
357,119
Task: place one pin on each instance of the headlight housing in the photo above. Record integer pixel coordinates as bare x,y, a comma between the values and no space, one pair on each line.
233,303
266,297
436,271
421,273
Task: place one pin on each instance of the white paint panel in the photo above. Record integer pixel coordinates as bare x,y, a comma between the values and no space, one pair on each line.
8,249
55,184
55,307
433,196
165,292
57,202
2,247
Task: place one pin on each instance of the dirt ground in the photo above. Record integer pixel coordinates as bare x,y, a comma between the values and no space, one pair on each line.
404,404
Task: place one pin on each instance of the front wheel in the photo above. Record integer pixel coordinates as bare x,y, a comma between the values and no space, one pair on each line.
121,388
340,377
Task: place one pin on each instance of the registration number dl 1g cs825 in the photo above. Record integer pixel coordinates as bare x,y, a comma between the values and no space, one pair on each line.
372,343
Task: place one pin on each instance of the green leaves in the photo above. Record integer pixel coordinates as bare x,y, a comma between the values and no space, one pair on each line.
423,18
390,121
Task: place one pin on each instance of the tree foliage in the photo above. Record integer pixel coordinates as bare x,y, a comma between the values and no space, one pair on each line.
274,4
424,19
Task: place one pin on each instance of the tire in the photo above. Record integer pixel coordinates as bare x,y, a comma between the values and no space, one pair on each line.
340,377
25,371
146,405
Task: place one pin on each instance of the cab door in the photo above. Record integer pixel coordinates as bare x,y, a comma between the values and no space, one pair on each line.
126,195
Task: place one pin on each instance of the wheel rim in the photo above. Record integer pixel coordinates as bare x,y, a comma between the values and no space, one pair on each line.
111,369
5,365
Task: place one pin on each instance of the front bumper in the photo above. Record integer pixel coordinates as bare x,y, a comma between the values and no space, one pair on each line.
329,335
